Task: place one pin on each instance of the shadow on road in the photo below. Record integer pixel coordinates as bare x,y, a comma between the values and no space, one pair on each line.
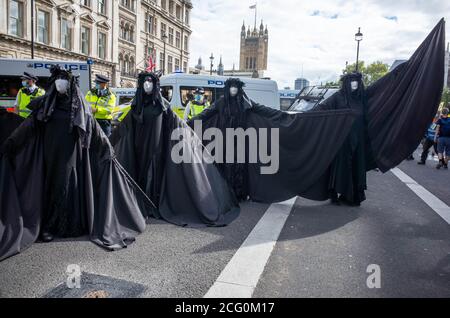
309,219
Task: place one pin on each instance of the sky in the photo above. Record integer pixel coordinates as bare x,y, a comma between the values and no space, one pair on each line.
315,36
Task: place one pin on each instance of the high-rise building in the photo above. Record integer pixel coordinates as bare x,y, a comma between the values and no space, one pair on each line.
254,49
119,36
301,83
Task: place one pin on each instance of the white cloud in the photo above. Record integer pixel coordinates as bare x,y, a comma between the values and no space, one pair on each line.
316,34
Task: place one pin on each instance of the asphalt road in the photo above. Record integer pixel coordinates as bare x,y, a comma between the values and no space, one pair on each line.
322,250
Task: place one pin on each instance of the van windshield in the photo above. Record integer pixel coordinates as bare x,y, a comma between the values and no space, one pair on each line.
187,94
167,92
10,85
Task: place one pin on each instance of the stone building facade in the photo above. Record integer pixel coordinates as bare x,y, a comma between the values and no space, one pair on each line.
254,49
118,35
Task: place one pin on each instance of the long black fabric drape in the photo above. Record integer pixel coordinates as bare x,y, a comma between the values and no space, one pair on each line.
307,144
402,104
187,194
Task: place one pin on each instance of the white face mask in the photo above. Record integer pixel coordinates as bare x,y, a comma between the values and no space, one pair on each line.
62,85
233,91
148,87
354,85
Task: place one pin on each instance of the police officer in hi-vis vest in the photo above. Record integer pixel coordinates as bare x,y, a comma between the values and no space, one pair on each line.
27,93
197,105
102,102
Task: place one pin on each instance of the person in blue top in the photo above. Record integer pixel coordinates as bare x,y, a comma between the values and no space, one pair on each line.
429,141
443,139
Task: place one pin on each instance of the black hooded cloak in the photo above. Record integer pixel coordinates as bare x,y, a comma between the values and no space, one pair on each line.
8,123
347,176
191,194
307,145
392,115
58,173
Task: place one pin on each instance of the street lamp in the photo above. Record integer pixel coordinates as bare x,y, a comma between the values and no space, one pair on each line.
212,63
358,38
32,29
164,38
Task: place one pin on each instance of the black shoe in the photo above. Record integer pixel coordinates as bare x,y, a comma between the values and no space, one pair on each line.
422,163
334,198
46,237
345,201
439,166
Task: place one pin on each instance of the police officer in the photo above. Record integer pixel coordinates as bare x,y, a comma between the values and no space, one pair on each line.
26,94
197,105
102,102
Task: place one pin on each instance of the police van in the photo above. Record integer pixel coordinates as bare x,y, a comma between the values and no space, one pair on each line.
12,69
178,87
287,98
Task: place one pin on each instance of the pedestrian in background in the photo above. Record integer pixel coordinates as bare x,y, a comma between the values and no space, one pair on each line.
429,141
443,139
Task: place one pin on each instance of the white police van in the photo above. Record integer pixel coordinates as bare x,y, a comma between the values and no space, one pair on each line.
177,87
12,69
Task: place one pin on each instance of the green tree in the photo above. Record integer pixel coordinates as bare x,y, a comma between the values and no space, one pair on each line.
371,73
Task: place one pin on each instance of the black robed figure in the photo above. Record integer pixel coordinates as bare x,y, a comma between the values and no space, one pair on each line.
348,180
391,116
306,144
184,193
59,177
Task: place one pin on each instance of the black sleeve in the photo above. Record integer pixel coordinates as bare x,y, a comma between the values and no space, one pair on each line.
36,103
206,115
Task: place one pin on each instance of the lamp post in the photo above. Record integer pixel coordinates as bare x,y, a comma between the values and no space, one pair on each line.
212,64
32,29
358,38
164,38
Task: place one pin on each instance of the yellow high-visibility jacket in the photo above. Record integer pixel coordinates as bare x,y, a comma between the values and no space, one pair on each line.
105,105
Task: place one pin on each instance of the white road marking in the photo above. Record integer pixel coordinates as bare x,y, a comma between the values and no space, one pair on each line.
430,199
241,275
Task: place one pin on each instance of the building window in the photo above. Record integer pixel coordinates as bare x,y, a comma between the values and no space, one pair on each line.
149,23
177,65
85,40
102,6
102,45
178,12
185,66
16,18
126,32
161,60
66,34
132,67
129,4
43,27
170,64
164,4
171,36
163,30
86,3
186,43
131,34
186,17
171,7
178,40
